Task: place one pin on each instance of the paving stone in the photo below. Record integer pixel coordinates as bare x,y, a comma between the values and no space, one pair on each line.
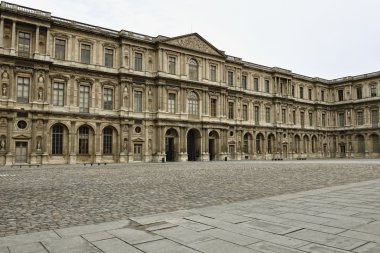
296,223
164,246
92,237
303,217
368,248
271,227
316,248
4,249
220,246
267,247
335,241
133,236
161,226
70,245
27,248
74,231
229,236
232,218
182,235
27,238
361,236
115,245
371,228
189,224
244,230
345,223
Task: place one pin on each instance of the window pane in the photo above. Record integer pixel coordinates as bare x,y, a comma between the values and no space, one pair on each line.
108,57
107,140
193,70
23,89
213,107
172,64
60,48
84,92
85,53
138,101
171,103
57,140
108,99
138,61
192,103
83,140
58,94
213,73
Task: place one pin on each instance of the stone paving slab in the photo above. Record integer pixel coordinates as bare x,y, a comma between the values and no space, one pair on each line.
234,227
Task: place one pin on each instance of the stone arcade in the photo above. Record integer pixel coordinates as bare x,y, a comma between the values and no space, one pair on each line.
77,93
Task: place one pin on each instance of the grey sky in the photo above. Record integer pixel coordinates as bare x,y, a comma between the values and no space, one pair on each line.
324,38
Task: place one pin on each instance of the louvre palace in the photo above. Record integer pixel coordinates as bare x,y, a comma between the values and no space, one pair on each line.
77,93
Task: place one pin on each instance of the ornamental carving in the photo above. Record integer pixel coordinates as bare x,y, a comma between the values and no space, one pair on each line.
194,43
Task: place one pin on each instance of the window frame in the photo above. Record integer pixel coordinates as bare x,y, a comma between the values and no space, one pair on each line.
82,49
256,83
213,107
172,102
244,81
137,101
24,88
60,46
138,64
108,104
57,139
20,50
267,85
213,69
193,69
192,103
172,64
107,140
83,140
109,63
59,93
231,110
230,78
81,98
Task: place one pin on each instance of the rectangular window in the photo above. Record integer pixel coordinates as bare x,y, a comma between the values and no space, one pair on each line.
171,103
256,84
23,44
310,94
108,57
108,99
230,110
373,90
293,91
267,115
359,118
283,115
58,94
230,79
213,73
138,61
245,112
359,93
375,116
244,82
310,119
257,115
266,83
301,92
302,119
294,117
341,119
85,53
323,120
213,107
107,141
84,98
322,95
60,49
23,89
340,95
172,65
137,101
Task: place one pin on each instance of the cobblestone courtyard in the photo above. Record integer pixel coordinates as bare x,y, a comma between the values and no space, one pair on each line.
38,199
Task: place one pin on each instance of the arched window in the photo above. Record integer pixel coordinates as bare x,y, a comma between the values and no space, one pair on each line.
107,140
192,103
57,140
375,143
193,70
83,139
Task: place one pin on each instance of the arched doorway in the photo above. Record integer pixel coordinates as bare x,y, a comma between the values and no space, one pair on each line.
213,139
259,144
193,145
171,138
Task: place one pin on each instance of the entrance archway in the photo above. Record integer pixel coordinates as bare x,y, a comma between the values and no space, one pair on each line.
193,145
171,144
213,142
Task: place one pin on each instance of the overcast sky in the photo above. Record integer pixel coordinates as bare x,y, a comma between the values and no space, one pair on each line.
323,38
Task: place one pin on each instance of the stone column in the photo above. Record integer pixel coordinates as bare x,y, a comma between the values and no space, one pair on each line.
47,41
36,46
1,33
13,41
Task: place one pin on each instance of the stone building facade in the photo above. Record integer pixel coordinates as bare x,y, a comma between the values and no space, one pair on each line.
77,93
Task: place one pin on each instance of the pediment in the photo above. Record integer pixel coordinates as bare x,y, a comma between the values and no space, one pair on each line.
21,136
194,42
138,140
